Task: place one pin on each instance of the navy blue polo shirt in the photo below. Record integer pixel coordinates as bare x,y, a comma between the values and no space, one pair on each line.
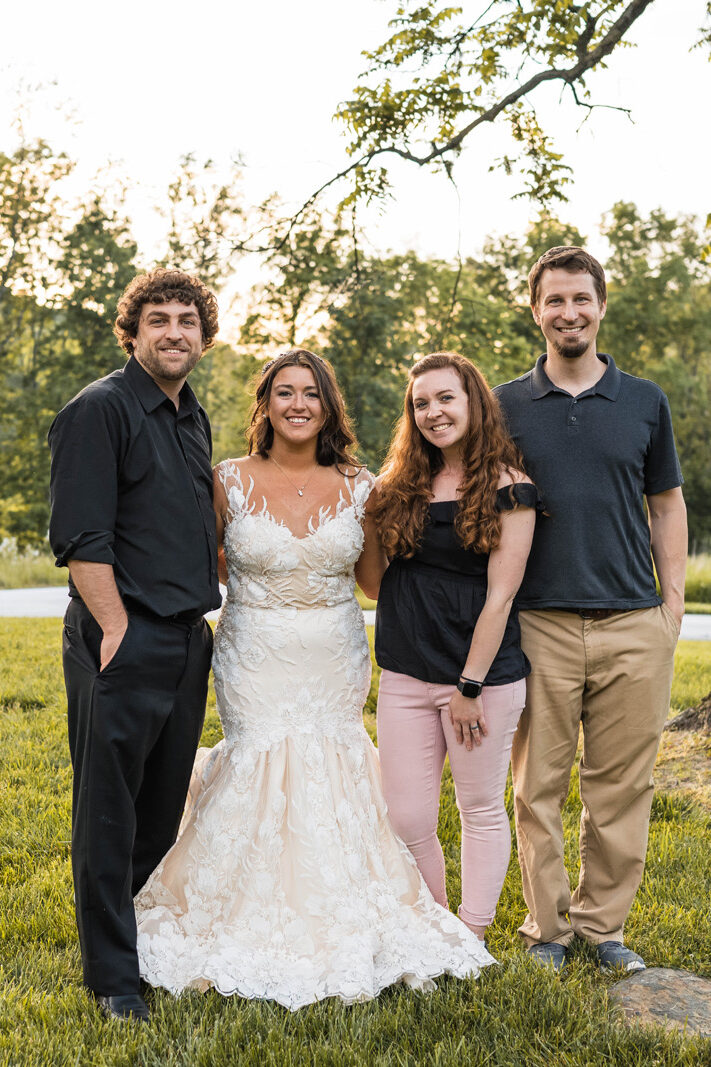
593,457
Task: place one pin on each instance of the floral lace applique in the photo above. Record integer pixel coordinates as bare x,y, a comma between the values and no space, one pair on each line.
287,881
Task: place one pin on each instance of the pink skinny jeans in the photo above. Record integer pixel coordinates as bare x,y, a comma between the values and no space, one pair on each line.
414,736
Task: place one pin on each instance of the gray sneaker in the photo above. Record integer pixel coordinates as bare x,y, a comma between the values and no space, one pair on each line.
613,956
548,954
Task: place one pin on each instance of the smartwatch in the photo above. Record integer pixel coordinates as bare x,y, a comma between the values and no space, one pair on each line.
469,688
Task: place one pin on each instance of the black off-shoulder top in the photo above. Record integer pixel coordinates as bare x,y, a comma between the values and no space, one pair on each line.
429,604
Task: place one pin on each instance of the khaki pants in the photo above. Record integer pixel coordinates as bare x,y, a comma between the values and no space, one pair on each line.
613,676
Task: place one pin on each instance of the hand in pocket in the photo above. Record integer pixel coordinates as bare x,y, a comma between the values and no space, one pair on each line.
111,642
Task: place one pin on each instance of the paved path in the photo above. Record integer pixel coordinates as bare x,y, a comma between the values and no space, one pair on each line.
52,601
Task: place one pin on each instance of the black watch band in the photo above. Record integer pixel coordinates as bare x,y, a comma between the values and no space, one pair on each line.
469,688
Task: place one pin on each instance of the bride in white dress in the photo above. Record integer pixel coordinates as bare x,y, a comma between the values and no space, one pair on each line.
287,881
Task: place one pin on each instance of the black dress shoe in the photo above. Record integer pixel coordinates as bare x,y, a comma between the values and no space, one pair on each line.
129,1008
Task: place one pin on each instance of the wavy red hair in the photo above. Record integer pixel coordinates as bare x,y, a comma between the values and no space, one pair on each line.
401,508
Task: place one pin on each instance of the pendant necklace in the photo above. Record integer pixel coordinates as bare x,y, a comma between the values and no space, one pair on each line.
301,490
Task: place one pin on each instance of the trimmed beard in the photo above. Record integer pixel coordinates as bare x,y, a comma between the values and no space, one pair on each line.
151,363
572,351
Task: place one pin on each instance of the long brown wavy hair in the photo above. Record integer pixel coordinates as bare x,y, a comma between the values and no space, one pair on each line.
336,440
405,491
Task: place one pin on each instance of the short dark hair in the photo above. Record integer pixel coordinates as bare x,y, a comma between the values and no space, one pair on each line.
336,440
570,258
160,286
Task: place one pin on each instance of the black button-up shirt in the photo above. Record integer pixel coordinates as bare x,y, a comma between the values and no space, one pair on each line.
131,486
594,457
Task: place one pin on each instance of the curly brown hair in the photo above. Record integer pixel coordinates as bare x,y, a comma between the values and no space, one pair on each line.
336,440
160,286
405,490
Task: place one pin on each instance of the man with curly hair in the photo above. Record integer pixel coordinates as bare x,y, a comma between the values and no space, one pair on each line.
132,518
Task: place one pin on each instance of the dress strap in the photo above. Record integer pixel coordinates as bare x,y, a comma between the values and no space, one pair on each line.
238,502
359,487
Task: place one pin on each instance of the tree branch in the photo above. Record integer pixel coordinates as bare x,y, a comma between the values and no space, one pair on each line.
244,246
581,48
568,75
593,107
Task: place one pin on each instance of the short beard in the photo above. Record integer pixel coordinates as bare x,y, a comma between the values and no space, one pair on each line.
571,351
154,368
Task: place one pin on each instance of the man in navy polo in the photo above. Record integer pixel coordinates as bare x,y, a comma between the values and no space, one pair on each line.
598,443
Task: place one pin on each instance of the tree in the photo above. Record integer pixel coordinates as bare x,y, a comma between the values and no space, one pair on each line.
377,326
30,177
206,216
305,272
97,261
444,73
58,338
29,199
490,319
228,399
206,223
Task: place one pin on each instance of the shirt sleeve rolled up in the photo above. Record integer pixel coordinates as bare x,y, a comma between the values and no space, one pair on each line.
84,440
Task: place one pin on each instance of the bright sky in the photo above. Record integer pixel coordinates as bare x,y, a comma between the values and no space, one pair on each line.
148,82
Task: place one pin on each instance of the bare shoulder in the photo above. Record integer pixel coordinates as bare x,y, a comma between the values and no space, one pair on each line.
511,476
248,462
356,475
241,463
378,481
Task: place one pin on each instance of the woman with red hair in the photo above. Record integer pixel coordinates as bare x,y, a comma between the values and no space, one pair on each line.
455,513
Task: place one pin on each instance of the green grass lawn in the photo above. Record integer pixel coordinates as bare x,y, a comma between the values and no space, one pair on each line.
514,1014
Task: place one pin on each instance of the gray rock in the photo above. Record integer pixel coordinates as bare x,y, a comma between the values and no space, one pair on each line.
674,999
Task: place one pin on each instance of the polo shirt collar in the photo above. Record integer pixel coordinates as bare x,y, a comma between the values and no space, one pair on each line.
151,395
608,386
611,381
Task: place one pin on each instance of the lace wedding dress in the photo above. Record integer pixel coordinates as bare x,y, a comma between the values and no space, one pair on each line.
287,881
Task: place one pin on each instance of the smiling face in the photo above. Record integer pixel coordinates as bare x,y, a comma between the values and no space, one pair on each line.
569,312
168,343
441,407
295,409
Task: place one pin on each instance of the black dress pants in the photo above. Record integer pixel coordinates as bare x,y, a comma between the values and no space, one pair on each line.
133,731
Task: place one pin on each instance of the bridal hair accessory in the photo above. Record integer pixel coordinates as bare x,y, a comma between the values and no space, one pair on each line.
271,362
300,491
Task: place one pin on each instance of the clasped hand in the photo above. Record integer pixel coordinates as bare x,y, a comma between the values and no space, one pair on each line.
467,717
